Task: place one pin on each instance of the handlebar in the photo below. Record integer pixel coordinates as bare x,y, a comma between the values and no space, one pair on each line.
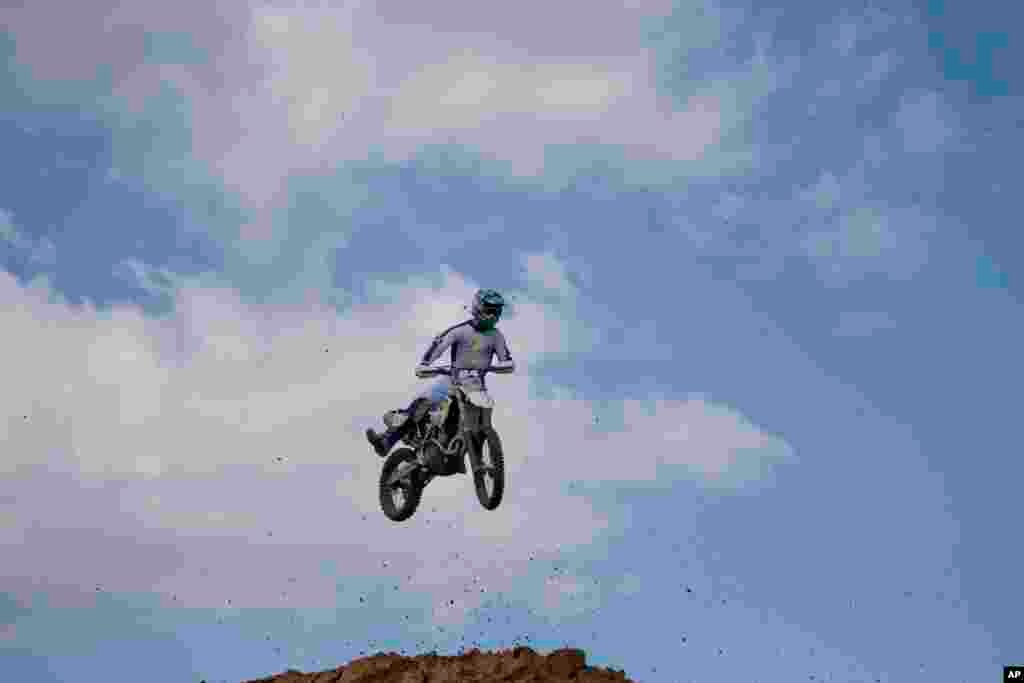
424,372
446,370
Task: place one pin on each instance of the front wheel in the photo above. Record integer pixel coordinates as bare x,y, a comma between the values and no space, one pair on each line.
400,500
489,477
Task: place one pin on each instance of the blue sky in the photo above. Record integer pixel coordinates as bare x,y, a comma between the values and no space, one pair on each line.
766,306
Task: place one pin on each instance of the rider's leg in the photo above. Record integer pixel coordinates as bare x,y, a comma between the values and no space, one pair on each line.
383,443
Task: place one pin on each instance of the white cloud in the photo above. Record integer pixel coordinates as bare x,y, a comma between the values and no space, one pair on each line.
513,106
316,73
467,91
310,85
569,596
225,421
869,239
848,235
154,281
631,584
7,229
925,121
548,272
39,251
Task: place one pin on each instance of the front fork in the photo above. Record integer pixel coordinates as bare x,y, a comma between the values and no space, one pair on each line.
478,421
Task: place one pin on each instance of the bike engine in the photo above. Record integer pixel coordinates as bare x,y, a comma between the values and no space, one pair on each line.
434,457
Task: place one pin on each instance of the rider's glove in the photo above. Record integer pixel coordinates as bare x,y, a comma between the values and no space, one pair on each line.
503,366
423,370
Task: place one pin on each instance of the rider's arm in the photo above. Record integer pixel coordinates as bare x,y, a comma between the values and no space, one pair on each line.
437,347
504,363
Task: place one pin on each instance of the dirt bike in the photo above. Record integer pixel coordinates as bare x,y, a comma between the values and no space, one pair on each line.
456,427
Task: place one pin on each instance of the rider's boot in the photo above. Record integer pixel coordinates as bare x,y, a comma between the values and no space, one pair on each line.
383,443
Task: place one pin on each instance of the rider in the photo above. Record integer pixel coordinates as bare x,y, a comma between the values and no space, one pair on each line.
473,343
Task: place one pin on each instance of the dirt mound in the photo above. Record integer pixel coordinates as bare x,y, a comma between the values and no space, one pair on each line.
518,665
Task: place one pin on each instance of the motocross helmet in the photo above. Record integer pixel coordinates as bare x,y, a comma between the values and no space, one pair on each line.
486,308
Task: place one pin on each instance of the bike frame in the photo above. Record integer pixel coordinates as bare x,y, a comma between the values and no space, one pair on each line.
473,420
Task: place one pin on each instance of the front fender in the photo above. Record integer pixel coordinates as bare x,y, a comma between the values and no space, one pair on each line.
402,471
481,399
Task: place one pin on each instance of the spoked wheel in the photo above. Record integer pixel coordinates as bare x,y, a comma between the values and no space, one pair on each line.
400,500
489,479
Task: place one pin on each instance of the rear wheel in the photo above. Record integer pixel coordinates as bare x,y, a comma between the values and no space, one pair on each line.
400,500
489,478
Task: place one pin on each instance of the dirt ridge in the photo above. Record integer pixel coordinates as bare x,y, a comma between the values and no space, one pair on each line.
517,665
